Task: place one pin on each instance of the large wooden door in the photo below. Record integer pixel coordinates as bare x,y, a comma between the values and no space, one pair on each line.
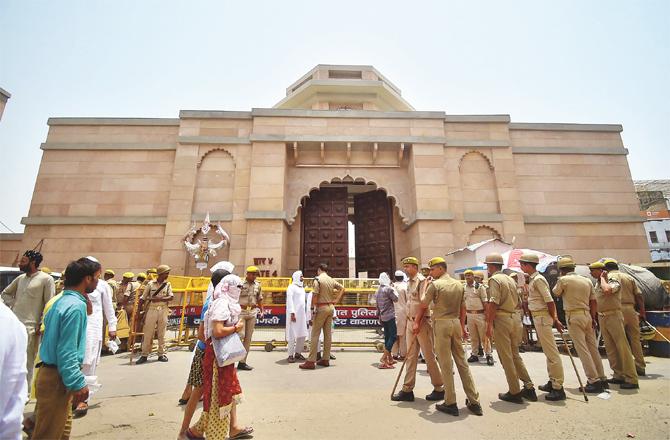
325,232
374,237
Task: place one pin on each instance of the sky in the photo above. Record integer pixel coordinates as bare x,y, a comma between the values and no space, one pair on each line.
569,61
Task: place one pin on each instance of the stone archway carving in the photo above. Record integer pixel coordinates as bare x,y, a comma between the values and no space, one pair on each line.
300,184
476,152
484,232
202,158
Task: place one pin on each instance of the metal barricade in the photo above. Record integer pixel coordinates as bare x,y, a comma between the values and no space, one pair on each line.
355,325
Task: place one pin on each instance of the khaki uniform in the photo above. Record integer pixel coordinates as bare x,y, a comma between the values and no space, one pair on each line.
577,291
612,327
156,315
129,291
447,296
424,341
26,296
115,290
631,319
251,296
502,292
538,300
475,298
325,290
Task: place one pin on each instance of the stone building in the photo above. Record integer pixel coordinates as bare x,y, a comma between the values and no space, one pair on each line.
342,146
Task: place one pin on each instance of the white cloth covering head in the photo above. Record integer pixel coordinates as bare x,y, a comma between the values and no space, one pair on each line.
225,305
225,265
297,275
384,279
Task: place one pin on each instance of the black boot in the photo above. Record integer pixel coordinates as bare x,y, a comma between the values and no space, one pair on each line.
605,385
593,388
615,381
489,359
480,352
546,387
403,396
434,396
141,360
513,398
555,395
529,394
448,409
473,359
629,386
244,366
474,408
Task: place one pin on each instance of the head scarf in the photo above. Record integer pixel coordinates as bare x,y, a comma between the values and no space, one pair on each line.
384,279
225,265
225,304
296,278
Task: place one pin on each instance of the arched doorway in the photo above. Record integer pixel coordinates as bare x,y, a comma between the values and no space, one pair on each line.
329,215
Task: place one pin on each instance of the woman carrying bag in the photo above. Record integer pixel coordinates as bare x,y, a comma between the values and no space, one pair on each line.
221,387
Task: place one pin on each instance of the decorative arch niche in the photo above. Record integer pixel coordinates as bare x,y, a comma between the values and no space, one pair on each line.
478,184
483,232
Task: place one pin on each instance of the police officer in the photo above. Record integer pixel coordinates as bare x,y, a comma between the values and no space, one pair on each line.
109,277
610,317
251,298
157,294
631,296
416,286
543,309
502,322
447,296
326,292
581,311
475,299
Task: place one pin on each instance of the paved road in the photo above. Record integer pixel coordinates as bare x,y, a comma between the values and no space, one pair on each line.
351,399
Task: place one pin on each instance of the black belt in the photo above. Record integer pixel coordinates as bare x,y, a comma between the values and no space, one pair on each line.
42,364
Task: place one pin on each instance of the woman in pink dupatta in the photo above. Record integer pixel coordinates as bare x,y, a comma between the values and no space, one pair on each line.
221,388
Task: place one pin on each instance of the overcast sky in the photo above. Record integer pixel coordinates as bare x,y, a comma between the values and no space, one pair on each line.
568,61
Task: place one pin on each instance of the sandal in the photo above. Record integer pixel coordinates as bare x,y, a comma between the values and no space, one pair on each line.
386,367
183,401
191,436
246,432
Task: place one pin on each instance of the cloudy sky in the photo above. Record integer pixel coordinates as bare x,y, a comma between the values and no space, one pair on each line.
569,61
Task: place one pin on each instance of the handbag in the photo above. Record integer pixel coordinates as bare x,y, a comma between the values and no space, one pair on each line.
228,349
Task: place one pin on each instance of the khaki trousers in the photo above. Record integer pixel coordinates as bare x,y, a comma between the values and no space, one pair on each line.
507,337
448,337
53,411
631,324
249,318
322,321
584,340
617,348
477,330
543,328
33,344
424,343
155,320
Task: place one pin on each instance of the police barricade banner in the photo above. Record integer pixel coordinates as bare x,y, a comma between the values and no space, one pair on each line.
347,317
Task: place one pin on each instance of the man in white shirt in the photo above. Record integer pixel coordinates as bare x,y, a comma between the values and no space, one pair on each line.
13,384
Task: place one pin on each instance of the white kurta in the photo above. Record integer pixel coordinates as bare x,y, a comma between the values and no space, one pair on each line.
101,301
296,302
13,385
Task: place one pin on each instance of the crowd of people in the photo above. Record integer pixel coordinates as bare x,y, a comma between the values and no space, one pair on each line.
58,328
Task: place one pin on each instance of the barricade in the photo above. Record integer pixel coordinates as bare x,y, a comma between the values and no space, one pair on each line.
356,324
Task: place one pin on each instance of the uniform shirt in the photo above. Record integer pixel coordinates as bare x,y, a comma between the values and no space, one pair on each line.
115,289
27,295
447,295
475,297
608,303
64,341
385,297
13,385
251,294
502,291
152,288
538,293
413,299
129,291
325,289
576,291
629,287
